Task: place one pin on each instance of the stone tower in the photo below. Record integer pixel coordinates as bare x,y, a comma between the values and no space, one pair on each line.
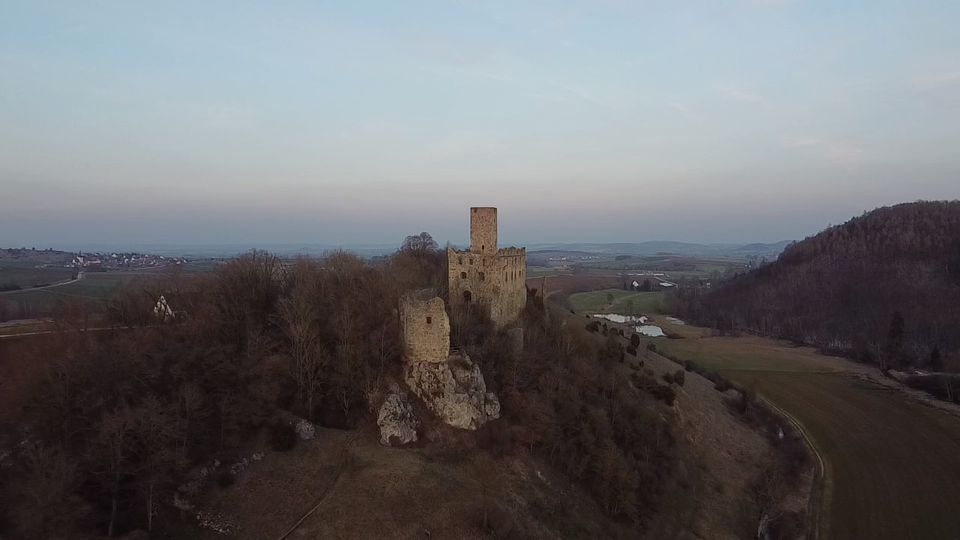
483,229
426,328
486,275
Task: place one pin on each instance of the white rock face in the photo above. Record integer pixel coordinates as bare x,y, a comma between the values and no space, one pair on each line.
305,430
397,421
454,390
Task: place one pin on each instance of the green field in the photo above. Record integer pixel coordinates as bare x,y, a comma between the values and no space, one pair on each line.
540,271
94,287
892,463
27,277
618,301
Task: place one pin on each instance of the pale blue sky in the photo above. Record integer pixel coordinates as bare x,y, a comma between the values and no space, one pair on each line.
360,122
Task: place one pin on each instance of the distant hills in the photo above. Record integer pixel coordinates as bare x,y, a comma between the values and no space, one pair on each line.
883,287
657,247
661,247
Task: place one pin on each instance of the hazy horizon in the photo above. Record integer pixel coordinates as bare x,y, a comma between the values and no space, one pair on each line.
265,124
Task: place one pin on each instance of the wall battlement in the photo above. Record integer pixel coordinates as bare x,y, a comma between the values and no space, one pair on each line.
503,252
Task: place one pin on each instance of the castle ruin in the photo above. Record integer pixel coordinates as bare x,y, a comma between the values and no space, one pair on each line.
447,381
485,275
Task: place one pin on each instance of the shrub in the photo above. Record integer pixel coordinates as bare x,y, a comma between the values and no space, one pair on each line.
652,347
689,366
721,384
668,377
945,387
747,397
663,393
632,350
225,479
658,391
593,326
680,377
635,340
283,436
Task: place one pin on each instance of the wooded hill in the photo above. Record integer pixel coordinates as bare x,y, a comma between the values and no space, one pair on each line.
883,287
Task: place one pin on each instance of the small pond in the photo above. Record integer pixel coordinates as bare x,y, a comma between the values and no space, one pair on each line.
650,330
617,318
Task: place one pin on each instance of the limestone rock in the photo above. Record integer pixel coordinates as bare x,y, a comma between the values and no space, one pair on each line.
491,406
454,390
182,503
305,430
397,421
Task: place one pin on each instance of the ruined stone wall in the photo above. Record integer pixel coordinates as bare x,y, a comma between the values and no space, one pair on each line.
483,230
496,282
426,327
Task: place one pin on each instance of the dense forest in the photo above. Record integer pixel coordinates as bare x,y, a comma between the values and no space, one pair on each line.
882,288
119,418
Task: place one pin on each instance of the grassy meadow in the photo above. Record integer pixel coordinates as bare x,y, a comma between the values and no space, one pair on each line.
28,277
618,301
94,287
892,463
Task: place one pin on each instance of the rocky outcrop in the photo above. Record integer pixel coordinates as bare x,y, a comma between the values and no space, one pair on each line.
305,430
454,390
397,420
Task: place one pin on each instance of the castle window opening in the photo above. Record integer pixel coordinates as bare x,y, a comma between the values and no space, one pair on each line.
467,297
459,260
463,275
429,320
471,260
482,276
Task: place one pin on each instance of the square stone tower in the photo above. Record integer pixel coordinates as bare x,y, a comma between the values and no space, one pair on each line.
483,230
488,276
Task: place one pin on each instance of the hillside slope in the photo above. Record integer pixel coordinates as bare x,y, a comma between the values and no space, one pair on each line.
883,287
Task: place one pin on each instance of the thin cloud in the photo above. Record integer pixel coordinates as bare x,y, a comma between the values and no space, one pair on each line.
740,95
838,151
684,110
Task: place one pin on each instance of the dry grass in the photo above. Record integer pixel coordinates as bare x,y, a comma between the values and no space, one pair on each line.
365,490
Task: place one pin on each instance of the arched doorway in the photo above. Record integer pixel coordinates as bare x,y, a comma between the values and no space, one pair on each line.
467,297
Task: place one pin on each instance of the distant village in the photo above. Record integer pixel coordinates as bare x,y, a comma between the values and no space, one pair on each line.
95,261
91,261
